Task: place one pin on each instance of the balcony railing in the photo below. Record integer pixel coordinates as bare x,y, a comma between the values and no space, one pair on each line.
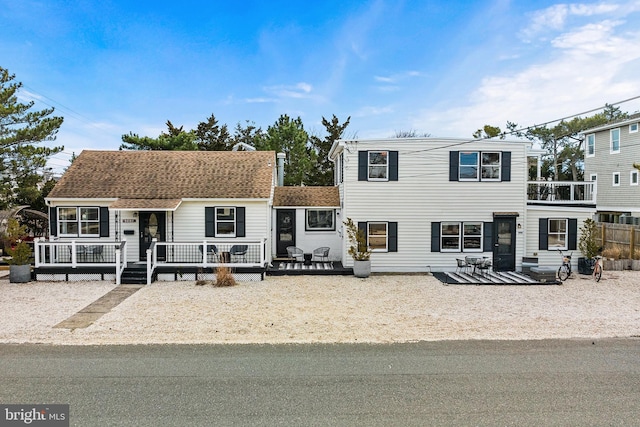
561,192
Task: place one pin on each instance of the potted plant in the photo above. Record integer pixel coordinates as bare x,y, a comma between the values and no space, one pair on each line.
20,252
358,249
589,245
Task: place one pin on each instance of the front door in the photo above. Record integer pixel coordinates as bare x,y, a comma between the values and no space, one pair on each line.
285,230
152,226
504,247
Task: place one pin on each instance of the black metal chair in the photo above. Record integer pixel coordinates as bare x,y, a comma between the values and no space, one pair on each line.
463,266
239,251
211,250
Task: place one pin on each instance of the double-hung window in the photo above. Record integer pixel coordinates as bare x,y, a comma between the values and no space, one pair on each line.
479,166
591,145
633,128
633,178
320,219
557,234
378,165
225,222
79,221
461,237
615,140
377,236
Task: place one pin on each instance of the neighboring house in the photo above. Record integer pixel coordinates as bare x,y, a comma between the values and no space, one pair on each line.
168,205
610,152
307,218
424,202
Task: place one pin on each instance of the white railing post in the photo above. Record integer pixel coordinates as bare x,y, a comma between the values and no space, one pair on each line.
74,261
118,273
204,253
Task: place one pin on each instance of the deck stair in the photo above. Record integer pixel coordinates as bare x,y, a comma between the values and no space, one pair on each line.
134,274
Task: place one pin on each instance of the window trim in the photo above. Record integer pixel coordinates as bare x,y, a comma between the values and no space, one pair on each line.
631,129
308,227
461,236
386,235
615,176
631,175
370,165
590,144
550,233
78,221
461,165
216,221
612,150
499,166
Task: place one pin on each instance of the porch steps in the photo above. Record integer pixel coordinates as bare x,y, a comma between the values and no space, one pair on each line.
134,274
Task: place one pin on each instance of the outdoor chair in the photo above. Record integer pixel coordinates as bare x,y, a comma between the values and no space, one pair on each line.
212,250
463,266
239,251
484,266
295,254
322,253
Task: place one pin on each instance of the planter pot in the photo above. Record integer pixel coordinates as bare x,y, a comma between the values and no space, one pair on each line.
20,273
635,264
584,267
362,268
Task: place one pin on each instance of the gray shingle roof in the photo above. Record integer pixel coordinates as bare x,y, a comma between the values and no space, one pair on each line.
306,196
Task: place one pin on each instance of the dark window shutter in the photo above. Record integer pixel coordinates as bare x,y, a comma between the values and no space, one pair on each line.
454,162
505,173
104,221
363,165
543,234
393,165
363,226
393,237
209,222
573,234
435,237
53,221
488,237
240,222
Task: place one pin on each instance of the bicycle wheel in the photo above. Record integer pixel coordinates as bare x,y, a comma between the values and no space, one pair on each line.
563,273
597,272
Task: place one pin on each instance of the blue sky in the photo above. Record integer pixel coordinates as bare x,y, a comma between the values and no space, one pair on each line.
440,67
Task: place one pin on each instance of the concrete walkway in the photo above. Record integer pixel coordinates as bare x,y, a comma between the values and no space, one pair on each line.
98,308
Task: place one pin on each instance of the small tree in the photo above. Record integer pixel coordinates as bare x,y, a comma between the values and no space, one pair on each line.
590,239
359,250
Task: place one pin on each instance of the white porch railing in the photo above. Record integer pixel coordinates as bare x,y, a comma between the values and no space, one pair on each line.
561,192
206,254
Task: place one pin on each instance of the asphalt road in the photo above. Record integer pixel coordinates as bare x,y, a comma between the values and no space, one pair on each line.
493,383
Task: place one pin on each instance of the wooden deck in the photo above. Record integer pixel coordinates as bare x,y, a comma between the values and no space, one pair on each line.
491,278
288,268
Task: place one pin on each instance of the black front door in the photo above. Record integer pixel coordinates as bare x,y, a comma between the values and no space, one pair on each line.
285,230
504,247
152,226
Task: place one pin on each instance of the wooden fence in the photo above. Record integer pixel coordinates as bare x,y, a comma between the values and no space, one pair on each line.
622,236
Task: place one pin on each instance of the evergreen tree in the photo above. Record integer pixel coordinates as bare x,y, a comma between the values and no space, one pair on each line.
322,174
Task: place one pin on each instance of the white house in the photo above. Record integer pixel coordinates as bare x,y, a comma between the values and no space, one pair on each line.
424,202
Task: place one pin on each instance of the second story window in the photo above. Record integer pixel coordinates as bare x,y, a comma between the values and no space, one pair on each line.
633,178
616,179
615,140
591,145
378,165
633,128
479,166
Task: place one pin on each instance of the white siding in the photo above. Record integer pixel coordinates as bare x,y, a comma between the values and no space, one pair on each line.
423,194
310,240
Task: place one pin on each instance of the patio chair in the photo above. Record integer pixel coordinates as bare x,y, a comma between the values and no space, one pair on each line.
463,266
322,253
212,250
484,266
295,254
239,251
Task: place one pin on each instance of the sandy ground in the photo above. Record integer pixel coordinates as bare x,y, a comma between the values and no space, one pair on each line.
296,309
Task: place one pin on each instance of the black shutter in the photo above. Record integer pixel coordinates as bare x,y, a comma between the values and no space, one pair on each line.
393,237
393,165
104,221
363,226
209,222
435,237
454,163
543,234
505,174
363,165
240,222
573,234
487,244
53,221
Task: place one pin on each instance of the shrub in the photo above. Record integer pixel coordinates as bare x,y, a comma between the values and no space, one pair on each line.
224,277
20,254
590,238
612,252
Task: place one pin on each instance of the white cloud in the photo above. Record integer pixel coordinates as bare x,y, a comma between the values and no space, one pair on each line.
299,90
373,111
